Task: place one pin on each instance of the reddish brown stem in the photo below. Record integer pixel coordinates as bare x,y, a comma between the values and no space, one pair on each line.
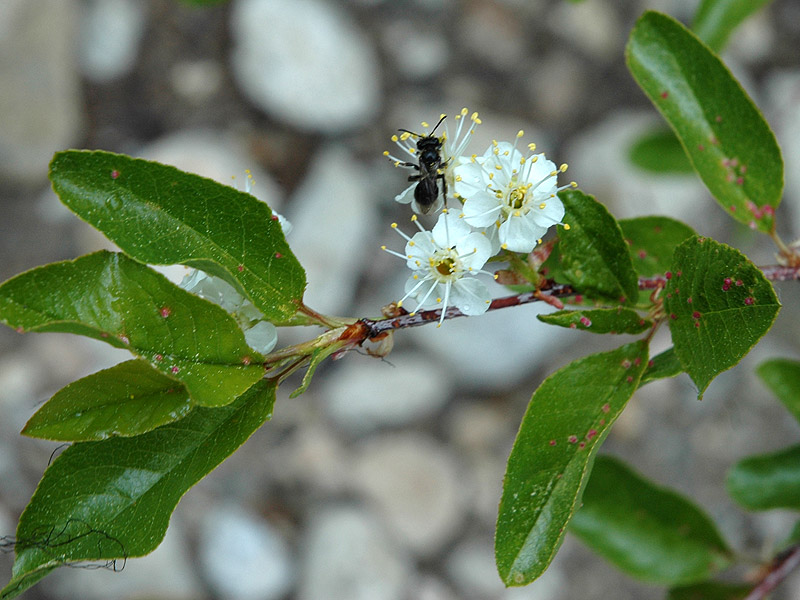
779,570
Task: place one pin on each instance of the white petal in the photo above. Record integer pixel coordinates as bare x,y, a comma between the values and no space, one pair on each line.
470,296
540,170
475,249
420,249
520,234
481,209
550,215
262,337
407,195
449,230
470,178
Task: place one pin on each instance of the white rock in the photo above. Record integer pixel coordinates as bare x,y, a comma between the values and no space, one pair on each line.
166,573
348,556
496,349
243,557
196,80
41,109
782,106
592,26
305,62
415,484
334,218
598,161
111,31
364,394
417,52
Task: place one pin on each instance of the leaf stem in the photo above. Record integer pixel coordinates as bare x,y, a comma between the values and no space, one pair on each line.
779,570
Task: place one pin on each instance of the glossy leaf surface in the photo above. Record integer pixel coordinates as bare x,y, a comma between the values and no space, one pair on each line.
715,20
101,501
652,241
567,417
725,136
112,298
767,481
160,215
645,530
128,399
601,320
719,305
662,366
593,255
782,376
710,590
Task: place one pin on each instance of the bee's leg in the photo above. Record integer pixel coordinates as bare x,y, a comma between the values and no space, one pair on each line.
416,177
444,187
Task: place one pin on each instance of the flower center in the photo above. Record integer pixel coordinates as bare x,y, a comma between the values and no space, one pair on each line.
445,265
516,198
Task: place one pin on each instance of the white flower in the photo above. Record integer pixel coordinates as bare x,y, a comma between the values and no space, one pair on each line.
260,335
510,195
285,224
443,262
452,153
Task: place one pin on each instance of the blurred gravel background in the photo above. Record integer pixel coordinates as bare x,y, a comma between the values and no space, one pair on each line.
382,481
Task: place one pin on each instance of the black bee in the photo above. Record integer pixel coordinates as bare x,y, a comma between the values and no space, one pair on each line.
426,194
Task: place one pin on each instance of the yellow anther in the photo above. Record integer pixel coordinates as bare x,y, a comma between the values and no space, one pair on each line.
383,247
411,243
517,213
566,226
399,303
394,225
458,178
425,124
386,153
553,173
438,300
411,314
563,167
573,184
499,167
504,246
531,147
520,133
404,136
542,206
413,218
442,116
539,241
496,276
475,118
395,138
534,158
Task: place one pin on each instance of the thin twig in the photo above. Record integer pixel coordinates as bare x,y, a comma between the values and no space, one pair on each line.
779,570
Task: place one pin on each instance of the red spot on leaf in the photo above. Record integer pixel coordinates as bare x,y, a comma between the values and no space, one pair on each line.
552,442
749,301
175,369
114,174
278,255
591,433
586,322
664,95
246,360
240,268
159,357
165,311
668,275
572,439
696,315
606,407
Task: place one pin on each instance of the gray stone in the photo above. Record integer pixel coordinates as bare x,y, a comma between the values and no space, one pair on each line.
348,556
364,394
243,557
111,32
416,485
40,105
305,62
334,216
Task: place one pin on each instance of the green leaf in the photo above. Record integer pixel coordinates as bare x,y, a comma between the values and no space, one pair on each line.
782,377
128,399
645,530
662,366
594,256
567,417
725,136
112,298
652,241
767,481
108,500
159,215
719,305
601,320
710,590
660,152
715,20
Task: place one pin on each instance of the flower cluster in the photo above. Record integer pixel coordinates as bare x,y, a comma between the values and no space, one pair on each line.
507,200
